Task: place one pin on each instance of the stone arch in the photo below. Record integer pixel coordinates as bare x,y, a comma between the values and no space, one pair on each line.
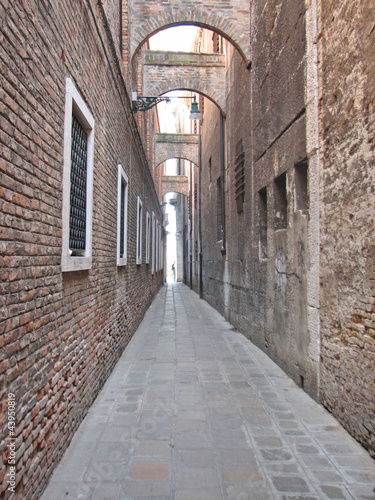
230,18
175,184
216,94
169,146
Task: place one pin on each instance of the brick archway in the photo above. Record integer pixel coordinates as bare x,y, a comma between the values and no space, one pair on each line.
202,73
230,18
184,146
175,184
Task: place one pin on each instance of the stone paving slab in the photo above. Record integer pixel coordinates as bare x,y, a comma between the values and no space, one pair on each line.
194,411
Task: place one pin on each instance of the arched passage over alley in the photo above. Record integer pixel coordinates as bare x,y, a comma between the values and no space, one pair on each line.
201,73
230,18
183,146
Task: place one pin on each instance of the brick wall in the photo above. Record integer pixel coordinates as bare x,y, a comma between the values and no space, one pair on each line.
203,73
61,333
347,55
227,16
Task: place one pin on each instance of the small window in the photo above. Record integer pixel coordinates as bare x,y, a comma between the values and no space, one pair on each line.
139,230
280,203
77,182
153,244
262,209
157,247
148,237
122,217
301,187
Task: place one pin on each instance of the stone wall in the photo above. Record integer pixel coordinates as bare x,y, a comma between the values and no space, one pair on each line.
261,281
347,69
61,333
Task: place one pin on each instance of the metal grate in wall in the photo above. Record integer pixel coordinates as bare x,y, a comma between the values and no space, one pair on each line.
240,176
122,219
78,185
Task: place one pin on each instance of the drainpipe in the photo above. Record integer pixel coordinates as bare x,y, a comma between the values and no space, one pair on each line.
200,219
191,230
222,160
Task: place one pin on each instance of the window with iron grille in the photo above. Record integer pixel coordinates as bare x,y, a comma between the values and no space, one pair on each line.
153,243
78,194
148,237
139,230
122,217
240,176
77,182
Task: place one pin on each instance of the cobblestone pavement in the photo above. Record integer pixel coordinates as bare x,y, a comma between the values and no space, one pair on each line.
194,411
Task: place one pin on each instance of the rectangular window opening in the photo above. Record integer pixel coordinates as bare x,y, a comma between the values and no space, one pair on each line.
301,186
122,217
78,171
78,189
139,230
148,237
280,203
262,209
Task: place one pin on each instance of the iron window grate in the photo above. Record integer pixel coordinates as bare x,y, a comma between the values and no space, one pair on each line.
78,188
122,220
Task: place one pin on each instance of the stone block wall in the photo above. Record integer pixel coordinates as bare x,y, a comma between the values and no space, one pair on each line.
61,333
347,69
263,294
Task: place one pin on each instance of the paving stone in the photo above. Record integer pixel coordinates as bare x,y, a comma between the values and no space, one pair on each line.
203,494
197,478
290,483
241,476
134,489
156,448
149,470
196,458
334,492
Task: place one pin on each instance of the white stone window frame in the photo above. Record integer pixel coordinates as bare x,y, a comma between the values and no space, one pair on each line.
74,104
148,237
139,231
122,177
153,245
157,246
161,249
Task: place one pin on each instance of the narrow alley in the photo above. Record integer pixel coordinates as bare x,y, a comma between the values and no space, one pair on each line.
194,411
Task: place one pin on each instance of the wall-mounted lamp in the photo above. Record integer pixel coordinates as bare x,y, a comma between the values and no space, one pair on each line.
142,103
195,113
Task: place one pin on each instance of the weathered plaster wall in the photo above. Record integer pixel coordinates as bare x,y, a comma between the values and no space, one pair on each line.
265,296
347,71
